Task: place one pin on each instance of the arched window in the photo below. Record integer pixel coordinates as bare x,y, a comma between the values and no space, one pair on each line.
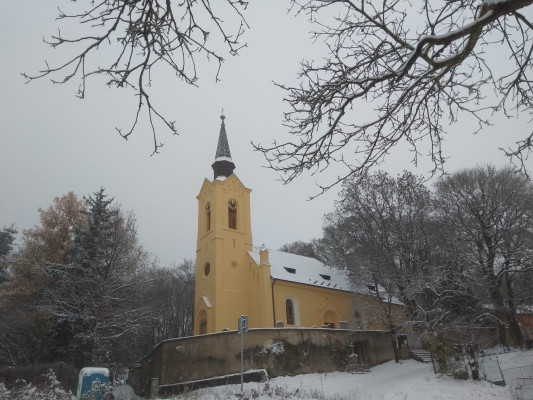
232,214
208,216
289,310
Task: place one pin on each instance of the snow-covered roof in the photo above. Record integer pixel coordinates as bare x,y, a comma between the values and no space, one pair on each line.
306,270
206,301
223,165
223,158
525,309
309,271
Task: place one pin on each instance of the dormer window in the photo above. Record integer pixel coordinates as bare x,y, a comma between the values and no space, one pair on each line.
290,270
232,214
325,277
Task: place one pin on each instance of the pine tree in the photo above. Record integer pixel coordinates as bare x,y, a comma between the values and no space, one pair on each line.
93,244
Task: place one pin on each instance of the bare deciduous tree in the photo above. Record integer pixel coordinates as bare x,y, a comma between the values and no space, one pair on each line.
385,231
24,332
490,212
420,65
306,249
145,34
378,232
172,292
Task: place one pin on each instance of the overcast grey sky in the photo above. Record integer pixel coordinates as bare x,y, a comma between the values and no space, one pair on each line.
52,143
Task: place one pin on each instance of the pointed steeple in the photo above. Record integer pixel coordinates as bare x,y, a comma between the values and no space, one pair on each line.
223,165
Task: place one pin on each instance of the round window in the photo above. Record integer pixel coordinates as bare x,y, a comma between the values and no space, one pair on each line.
207,269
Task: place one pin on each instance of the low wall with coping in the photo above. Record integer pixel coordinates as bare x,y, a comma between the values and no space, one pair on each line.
280,351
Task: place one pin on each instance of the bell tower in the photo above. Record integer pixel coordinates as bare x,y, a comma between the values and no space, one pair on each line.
223,241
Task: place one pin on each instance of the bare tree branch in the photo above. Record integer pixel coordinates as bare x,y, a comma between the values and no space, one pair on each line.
144,34
419,72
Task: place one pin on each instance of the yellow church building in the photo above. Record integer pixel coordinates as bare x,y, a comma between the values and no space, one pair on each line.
273,288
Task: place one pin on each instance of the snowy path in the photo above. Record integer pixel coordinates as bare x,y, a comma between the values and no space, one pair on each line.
408,380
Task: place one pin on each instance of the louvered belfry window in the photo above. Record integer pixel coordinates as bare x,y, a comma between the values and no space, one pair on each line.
232,214
208,216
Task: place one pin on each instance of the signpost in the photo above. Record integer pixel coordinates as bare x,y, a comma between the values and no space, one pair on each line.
243,328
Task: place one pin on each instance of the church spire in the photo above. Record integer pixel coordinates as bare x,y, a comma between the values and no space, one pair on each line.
223,165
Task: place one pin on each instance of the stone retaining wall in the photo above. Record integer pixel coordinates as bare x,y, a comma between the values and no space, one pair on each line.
285,351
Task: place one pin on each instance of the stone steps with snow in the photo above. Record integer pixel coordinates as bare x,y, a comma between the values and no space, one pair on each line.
421,355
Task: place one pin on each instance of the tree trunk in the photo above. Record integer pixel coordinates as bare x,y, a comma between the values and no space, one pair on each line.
393,339
511,312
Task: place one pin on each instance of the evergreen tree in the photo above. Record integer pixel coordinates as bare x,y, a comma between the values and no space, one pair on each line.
93,243
7,237
93,300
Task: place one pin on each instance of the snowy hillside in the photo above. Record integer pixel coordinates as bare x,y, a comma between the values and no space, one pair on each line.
409,380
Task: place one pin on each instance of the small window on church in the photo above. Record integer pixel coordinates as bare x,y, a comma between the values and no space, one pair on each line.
232,214
207,269
208,216
289,309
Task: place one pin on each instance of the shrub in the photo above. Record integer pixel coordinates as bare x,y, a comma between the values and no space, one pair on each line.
440,349
51,390
4,393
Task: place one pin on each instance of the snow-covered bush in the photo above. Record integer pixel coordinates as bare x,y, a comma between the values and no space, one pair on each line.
51,390
4,392
99,391
276,348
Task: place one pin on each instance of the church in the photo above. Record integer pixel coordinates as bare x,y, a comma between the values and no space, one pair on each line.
273,288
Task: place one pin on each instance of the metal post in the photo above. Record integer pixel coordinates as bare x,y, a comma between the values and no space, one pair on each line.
154,388
242,359
243,327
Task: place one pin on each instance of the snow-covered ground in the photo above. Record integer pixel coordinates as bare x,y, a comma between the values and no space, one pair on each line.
408,380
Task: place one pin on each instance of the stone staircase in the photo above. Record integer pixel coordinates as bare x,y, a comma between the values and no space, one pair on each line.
421,355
